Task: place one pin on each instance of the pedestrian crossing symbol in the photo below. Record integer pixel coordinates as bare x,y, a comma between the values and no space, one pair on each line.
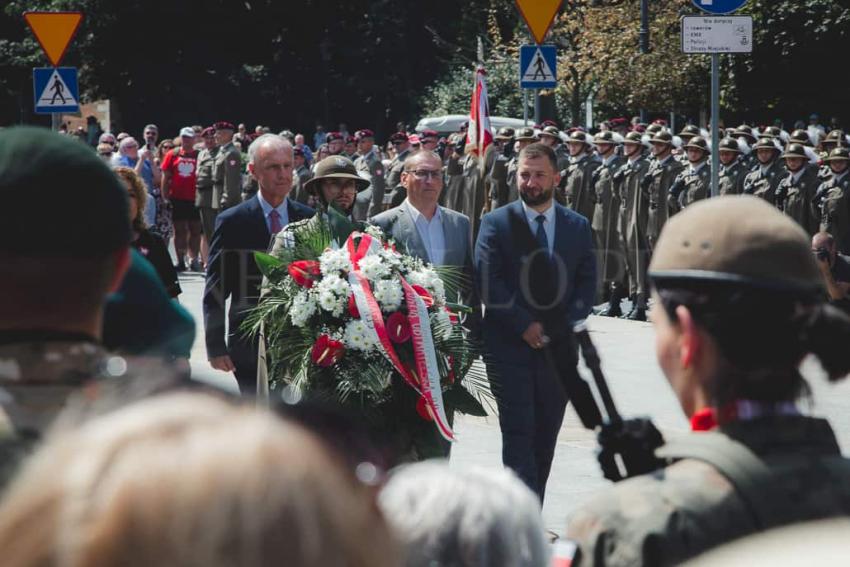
537,66
55,90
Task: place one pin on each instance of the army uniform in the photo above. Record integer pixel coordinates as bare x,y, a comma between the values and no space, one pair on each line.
578,188
371,167
299,179
394,193
795,194
634,210
497,174
227,176
656,186
834,200
730,179
605,217
562,156
452,197
762,181
473,190
207,205
694,182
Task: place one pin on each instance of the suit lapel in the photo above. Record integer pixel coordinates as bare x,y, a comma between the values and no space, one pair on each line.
406,231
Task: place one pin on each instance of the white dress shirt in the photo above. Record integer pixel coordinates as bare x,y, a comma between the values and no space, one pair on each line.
281,209
431,233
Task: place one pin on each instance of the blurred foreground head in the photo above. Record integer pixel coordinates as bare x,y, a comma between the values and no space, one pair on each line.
189,480
464,518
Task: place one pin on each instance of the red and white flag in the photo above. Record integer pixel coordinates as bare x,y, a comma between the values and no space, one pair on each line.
479,135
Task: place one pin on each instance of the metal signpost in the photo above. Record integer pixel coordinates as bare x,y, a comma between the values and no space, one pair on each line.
539,16
715,35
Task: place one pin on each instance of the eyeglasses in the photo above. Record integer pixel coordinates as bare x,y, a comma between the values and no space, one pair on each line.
167,147
424,174
104,154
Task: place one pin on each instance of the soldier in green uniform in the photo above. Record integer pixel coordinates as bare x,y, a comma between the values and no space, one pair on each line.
732,170
763,180
834,139
694,182
611,257
207,205
227,168
687,133
747,158
394,192
498,175
662,173
578,188
634,210
551,136
833,196
370,167
725,271
796,192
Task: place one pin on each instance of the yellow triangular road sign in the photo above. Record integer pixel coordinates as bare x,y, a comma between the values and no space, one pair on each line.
54,31
539,15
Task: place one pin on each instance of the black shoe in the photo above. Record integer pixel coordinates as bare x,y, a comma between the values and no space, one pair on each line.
612,310
180,267
637,314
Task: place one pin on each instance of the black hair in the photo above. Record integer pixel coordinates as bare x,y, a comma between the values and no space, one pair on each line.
762,335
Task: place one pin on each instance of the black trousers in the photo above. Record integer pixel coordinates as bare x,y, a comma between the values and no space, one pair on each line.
243,353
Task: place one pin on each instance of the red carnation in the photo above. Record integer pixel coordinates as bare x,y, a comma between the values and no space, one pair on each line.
423,293
398,327
304,272
422,409
352,307
326,351
453,317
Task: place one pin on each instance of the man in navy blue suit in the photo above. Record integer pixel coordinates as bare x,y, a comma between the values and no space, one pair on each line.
232,272
536,274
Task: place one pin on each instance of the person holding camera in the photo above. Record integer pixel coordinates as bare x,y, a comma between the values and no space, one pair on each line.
835,268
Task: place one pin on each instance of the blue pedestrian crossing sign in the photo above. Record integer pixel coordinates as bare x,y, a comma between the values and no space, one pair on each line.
719,6
537,66
55,90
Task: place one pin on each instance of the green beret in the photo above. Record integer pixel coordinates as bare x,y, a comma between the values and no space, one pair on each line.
736,239
58,197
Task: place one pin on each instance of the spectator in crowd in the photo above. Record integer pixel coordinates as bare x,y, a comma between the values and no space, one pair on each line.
319,138
105,152
308,153
242,135
142,163
188,480
464,518
163,148
322,152
178,187
835,268
151,135
207,205
336,143
108,138
149,245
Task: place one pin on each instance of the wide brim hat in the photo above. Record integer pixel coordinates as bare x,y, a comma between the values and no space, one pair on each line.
662,137
335,167
729,145
699,143
526,134
795,150
838,154
766,143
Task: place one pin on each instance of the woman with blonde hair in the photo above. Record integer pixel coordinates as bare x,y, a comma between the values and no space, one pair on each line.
190,480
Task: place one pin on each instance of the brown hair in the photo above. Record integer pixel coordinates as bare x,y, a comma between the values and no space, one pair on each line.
189,480
538,150
140,194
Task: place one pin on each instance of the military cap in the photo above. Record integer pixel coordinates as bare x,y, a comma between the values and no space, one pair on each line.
746,131
697,142
736,239
551,131
363,134
59,198
729,145
606,137
399,137
579,137
208,132
414,139
800,136
633,138
548,122
223,126
841,153
689,131
654,128
766,143
835,137
639,127
662,137
428,133
350,139
617,122
504,133
526,134
335,167
772,132
795,150
333,136
298,151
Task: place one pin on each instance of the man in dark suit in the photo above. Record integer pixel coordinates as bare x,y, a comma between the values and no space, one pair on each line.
535,271
232,272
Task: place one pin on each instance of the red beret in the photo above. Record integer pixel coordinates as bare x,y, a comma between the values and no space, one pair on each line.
223,126
428,134
399,137
364,133
334,136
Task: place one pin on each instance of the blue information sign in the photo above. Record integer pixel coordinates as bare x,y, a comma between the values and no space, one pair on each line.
537,66
55,90
719,6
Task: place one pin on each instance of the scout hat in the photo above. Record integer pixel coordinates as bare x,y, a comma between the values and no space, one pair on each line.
606,137
736,239
662,137
835,137
795,150
633,137
689,131
841,153
526,134
505,133
579,137
551,131
746,131
699,143
801,137
729,145
59,198
335,167
766,143
654,128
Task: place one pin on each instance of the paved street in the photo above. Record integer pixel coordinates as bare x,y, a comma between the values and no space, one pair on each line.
639,388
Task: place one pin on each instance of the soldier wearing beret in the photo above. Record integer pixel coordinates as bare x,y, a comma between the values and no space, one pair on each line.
763,180
578,187
207,205
796,192
227,168
727,270
335,142
833,197
371,168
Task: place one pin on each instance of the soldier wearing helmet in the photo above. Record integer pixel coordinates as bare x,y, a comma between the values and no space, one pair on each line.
833,198
694,182
763,180
795,193
732,171
660,177
633,220
578,187
738,304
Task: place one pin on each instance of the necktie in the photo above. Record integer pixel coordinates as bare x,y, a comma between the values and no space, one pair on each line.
542,240
274,217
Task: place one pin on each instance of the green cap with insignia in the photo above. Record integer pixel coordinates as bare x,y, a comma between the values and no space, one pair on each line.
58,197
739,240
